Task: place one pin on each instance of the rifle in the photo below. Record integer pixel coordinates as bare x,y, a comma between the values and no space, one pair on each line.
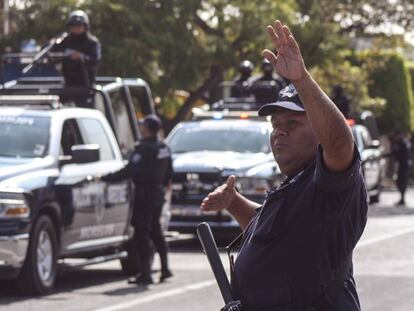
43,52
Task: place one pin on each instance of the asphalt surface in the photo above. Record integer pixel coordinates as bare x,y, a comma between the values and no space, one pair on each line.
383,264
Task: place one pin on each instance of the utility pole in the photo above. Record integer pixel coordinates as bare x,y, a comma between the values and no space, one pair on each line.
6,21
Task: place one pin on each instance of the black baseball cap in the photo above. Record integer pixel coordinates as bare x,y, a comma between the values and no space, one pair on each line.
288,98
151,122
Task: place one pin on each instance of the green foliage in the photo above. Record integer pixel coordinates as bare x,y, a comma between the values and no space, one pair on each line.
191,44
389,78
353,79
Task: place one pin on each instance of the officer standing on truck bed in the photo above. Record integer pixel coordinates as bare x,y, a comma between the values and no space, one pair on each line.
150,168
84,51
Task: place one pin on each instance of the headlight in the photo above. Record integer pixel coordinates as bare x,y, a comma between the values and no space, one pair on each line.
252,185
13,205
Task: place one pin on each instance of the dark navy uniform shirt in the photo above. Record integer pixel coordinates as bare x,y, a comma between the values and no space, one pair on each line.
304,231
150,168
73,70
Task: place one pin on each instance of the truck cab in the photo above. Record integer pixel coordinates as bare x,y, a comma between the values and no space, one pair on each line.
54,207
121,100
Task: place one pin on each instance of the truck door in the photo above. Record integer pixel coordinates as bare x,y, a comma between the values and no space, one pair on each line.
74,189
142,100
124,120
111,201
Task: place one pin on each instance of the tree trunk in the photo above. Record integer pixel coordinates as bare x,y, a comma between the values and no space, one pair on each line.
212,81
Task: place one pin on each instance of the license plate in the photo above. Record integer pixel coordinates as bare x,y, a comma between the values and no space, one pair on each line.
189,212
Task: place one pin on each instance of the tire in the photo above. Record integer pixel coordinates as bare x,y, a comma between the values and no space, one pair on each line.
39,270
131,265
374,198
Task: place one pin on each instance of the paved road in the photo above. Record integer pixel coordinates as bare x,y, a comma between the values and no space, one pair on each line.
384,268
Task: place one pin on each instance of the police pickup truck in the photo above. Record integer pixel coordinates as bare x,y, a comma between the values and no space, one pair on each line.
54,209
208,149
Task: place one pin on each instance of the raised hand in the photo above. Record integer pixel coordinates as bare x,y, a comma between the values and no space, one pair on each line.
222,197
288,62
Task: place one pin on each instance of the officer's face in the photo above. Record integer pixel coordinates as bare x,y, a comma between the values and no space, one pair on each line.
77,29
292,140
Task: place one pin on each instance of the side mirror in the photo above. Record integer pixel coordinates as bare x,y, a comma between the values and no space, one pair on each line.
85,153
375,144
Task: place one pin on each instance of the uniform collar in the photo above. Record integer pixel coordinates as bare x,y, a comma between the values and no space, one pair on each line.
292,179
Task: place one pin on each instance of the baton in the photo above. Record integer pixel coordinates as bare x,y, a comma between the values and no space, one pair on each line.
210,249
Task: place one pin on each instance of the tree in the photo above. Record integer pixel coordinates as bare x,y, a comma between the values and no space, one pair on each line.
193,45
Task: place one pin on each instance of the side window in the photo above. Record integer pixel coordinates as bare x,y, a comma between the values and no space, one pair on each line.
93,133
70,137
122,121
141,100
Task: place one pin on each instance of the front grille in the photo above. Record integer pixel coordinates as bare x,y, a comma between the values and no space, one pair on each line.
219,217
204,177
192,187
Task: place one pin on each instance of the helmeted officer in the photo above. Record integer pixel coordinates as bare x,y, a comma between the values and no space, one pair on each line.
83,49
150,168
266,87
341,100
401,150
240,86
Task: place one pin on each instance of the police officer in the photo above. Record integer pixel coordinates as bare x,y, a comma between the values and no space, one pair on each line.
341,100
150,168
83,49
240,86
401,150
296,252
266,87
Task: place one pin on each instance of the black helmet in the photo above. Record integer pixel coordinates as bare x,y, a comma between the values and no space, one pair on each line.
246,67
78,17
151,122
267,67
266,63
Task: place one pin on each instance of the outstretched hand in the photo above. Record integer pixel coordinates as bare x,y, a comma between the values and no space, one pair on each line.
288,62
222,197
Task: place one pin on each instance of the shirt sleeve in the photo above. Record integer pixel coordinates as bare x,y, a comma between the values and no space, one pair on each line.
336,182
127,172
169,174
94,54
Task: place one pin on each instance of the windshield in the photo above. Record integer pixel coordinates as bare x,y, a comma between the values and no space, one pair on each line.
23,136
236,139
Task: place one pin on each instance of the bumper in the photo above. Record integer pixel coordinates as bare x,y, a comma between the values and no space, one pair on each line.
186,218
12,254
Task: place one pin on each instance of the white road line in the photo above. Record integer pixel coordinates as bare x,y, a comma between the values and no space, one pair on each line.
165,294
384,237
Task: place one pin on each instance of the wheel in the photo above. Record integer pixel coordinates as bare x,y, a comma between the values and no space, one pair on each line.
131,265
39,270
374,198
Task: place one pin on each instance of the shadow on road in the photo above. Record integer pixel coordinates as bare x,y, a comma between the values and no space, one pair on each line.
68,281
390,210
73,280
126,290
